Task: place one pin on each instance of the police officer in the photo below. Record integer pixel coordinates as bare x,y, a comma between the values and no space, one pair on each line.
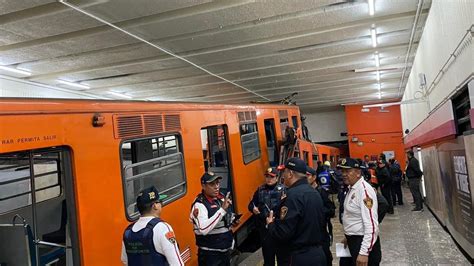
212,221
329,212
360,218
267,198
150,241
301,220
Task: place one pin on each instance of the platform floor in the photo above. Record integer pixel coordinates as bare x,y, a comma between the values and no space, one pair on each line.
407,238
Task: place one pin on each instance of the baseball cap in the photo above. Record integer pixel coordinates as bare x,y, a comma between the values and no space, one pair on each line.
209,177
311,171
294,164
348,163
149,195
272,171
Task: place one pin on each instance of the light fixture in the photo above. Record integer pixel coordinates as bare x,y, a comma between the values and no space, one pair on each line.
377,60
73,84
373,33
379,86
120,95
380,95
371,7
377,75
16,70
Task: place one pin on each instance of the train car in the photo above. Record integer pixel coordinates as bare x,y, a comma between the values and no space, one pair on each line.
327,153
86,160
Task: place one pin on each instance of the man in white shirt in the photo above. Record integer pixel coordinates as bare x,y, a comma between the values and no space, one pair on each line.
360,219
150,241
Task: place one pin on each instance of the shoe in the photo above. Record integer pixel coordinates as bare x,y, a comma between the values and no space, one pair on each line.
417,210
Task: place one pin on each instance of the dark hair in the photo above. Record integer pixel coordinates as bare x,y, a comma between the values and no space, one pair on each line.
366,155
145,208
411,153
391,161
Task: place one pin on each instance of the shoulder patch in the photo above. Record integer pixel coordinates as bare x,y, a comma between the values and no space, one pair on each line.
195,212
368,202
171,237
283,212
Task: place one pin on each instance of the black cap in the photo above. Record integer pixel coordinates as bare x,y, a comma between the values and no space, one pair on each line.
272,171
348,163
149,195
209,177
311,171
294,164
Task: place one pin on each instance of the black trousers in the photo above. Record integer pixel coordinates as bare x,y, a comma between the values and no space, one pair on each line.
308,256
213,258
414,184
355,242
397,192
327,254
387,193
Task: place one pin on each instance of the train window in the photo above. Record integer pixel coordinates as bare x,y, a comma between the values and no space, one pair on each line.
16,172
283,125
295,121
306,157
250,143
156,161
461,109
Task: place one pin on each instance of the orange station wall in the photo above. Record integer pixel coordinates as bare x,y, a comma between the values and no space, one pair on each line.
377,132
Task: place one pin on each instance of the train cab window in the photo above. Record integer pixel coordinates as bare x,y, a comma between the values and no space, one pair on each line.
306,157
250,143
156,161
294,119
283,124
315,160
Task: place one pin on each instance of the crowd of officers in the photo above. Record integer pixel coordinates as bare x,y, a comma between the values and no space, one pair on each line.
292,209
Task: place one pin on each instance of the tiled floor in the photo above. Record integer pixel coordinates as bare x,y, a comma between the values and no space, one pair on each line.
407,238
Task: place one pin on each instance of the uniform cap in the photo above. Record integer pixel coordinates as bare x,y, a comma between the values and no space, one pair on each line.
149,195
294,164
272,171
348,163
209,177
311,171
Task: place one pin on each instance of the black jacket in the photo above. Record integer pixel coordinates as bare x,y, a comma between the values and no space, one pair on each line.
383,175
301,222
413,169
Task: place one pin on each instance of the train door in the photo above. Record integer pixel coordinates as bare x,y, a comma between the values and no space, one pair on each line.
271,141
37,205
216,155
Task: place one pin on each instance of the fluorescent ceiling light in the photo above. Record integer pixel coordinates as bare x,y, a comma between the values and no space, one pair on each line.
73,84
371,7
377,60
377,75
16,70
380,95
120,95
373,33
379,86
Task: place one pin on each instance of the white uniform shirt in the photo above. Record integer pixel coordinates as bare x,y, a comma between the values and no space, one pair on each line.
163,244
203,225
360,214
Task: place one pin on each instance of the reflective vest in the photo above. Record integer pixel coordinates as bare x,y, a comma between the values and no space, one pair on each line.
140,248
269,199
221,236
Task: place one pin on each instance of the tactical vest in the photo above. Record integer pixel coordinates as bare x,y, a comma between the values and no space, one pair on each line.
269,199
324,179
140,248
221,236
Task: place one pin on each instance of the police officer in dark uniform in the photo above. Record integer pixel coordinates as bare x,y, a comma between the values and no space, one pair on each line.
301,220
212,221
150,241
267,198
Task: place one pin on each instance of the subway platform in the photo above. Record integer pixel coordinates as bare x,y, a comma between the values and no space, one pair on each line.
407,238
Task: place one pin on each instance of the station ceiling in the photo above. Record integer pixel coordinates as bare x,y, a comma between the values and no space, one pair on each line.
215,51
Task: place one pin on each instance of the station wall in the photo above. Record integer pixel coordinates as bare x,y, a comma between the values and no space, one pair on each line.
326,126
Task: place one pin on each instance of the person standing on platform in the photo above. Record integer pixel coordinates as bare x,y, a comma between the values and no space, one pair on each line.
150,241
267,198
212,221
396,174
385,182
414,174
360,218
300,226
329,212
